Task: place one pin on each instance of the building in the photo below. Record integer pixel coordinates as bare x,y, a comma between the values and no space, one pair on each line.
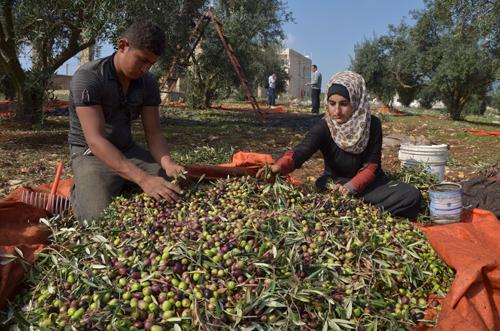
298,67
60,82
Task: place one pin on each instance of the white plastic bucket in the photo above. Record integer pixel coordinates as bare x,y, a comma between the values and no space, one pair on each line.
445,202
434,156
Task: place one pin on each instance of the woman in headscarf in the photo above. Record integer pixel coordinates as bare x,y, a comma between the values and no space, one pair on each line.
350,139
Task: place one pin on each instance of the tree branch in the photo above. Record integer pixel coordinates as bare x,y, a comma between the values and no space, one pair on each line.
9,58
71,50
73,46
3,64
9,22
403,84
3,36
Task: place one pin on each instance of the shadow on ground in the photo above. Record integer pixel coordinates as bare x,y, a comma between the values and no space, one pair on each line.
298,121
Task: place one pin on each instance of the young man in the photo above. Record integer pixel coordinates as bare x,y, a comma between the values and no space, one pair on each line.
105,96
315,88
271,91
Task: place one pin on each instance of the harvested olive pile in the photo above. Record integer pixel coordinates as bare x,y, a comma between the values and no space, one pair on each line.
237,254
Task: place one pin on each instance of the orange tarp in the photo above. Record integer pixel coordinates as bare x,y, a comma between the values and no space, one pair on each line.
472,248
391,111
249,159
63,189
54,105
243,164
8,107
19,228
176,104
7,114
484,133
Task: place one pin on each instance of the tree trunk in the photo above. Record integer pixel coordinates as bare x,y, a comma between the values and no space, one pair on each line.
482,105
455,110
208,98
29,101
7,88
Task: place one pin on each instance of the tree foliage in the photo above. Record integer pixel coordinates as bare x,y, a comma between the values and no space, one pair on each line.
450,54
372,62
50,34
254,30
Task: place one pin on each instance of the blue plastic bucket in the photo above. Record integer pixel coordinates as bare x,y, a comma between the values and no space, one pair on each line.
446,202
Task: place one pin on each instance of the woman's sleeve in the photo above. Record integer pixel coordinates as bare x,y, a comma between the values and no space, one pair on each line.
371,160
286,163
312,142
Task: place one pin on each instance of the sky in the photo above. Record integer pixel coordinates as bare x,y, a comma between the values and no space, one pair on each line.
327,30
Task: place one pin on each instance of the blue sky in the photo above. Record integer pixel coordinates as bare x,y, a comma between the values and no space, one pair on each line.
328,30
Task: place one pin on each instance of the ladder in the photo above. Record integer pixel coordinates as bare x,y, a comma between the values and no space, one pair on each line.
182,61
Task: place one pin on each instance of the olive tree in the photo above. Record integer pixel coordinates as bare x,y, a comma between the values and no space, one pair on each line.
50,34
372,62
458,44
450,54
255,31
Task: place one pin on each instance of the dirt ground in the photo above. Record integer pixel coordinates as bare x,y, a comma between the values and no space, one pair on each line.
29,156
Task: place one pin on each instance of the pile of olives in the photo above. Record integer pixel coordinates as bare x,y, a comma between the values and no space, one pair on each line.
236,254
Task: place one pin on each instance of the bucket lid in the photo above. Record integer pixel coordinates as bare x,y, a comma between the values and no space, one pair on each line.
445,187
430,148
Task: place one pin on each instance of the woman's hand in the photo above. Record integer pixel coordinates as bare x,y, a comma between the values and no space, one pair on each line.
268,172
340,188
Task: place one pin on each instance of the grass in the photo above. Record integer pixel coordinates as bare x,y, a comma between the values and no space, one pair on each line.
29,157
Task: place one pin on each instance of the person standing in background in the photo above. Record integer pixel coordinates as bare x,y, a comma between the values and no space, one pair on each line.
271,91
315,88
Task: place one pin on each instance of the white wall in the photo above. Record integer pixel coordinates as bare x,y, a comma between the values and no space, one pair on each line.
299,70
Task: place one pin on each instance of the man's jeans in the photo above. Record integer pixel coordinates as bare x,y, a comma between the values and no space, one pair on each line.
271,96
315,92
95,184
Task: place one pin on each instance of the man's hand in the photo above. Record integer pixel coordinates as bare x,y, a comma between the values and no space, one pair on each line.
159,188
268,172
340,188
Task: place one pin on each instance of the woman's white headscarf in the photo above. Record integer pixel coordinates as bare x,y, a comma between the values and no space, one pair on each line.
351,136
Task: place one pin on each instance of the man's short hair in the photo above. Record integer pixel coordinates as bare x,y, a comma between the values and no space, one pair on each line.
146,35
315,66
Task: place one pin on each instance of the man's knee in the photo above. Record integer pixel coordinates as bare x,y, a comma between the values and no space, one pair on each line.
88,203
92,192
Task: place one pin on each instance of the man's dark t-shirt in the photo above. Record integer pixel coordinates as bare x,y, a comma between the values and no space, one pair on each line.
96,83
